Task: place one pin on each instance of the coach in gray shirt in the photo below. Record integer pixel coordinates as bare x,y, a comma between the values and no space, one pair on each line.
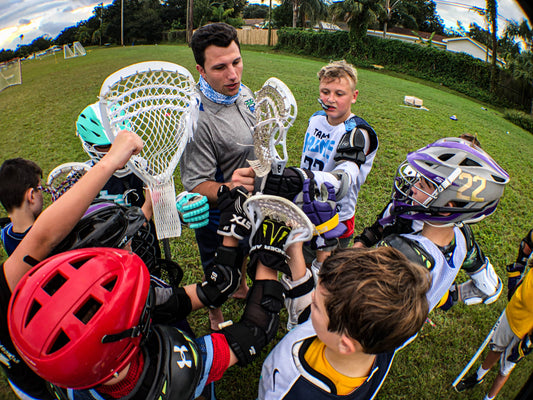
223,140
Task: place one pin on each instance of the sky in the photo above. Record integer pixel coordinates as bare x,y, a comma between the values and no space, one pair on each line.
35,18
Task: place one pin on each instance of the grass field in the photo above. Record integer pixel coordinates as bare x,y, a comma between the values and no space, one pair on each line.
37,122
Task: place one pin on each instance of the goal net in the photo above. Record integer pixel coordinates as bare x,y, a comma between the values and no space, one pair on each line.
10,73
77,50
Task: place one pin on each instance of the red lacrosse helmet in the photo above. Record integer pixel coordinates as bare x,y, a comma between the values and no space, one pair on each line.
79,317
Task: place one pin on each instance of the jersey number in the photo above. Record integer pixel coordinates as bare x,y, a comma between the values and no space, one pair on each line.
468,185
316,163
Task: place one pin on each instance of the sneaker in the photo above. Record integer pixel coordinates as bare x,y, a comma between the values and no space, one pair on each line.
468,383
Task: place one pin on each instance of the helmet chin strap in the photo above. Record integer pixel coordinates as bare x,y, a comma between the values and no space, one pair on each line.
442,225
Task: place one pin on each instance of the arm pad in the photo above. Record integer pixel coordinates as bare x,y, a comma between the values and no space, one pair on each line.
259,322
222,277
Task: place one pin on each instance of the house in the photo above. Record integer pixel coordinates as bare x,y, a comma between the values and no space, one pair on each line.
470,46
460,44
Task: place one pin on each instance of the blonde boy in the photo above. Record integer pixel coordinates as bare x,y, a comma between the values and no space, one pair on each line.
340,143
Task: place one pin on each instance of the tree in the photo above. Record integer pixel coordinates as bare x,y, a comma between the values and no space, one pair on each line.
255,11
492,13
522,67
282,14
358,14
420,15
522,31
67,35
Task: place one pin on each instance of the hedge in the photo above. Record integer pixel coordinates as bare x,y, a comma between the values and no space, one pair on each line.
458,71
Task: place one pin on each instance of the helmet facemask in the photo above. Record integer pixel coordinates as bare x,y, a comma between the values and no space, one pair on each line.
447,182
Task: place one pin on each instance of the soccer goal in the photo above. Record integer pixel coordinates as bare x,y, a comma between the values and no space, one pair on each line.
77,50
10,73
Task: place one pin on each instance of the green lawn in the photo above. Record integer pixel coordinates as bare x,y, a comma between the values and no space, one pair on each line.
37,121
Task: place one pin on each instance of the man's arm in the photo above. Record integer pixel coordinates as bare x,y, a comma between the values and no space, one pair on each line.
58,219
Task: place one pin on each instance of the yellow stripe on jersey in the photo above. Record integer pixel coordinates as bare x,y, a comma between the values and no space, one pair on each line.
316,358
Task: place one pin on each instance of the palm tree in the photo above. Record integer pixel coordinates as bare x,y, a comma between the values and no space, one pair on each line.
492,13
522,31
358,14
314,9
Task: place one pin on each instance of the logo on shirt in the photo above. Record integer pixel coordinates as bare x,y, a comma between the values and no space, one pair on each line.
182,350
319,142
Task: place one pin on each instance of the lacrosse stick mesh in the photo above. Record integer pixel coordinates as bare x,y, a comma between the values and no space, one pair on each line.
275,111
63,177
260,206
156,100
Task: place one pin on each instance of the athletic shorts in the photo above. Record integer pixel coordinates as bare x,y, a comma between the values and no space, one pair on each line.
503,342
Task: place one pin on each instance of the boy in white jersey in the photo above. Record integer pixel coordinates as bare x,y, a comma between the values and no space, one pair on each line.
338,152
338,141
367,304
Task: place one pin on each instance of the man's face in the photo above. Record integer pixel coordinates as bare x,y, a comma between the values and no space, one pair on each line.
223,68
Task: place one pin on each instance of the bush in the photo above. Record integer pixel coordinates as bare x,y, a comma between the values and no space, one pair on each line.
520,118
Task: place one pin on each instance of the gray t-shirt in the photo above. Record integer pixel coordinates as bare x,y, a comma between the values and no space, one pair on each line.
221,143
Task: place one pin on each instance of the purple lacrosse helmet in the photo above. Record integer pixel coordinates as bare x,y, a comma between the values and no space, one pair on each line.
465,183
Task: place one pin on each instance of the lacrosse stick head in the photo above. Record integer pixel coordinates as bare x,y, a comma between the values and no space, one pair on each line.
90,130
275,112
260,206
62,177
158,101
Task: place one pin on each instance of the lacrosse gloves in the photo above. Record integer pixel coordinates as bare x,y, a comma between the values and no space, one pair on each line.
323,215
233,219
522,349
193,209
515,273
289,184
268,246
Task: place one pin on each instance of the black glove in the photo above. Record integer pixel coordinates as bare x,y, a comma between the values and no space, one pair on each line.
267,247
514,278
289,184
522,349
233,220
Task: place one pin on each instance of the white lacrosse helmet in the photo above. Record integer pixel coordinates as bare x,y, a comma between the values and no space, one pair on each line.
91,132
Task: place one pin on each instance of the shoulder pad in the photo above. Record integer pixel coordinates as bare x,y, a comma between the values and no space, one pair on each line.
180,365
469,236
410,249
352,147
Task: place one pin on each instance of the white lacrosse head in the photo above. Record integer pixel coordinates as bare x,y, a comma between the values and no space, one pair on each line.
158,101
260,206
62,177
275,112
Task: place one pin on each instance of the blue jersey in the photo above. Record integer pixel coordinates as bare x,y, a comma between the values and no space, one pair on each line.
11,239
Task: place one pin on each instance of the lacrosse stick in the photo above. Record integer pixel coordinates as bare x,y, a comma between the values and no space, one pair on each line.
157,100
260,206
478,353
275,112
62,177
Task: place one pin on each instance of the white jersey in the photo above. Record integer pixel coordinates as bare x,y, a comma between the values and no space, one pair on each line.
320,148
443,272
286,375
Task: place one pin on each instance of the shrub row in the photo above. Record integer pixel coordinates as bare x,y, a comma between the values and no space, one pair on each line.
458,71
520,118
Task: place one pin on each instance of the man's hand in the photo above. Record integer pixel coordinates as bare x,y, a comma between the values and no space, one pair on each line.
243,177
233,220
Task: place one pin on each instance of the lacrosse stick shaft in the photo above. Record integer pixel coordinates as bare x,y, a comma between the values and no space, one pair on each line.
478,353
166,249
